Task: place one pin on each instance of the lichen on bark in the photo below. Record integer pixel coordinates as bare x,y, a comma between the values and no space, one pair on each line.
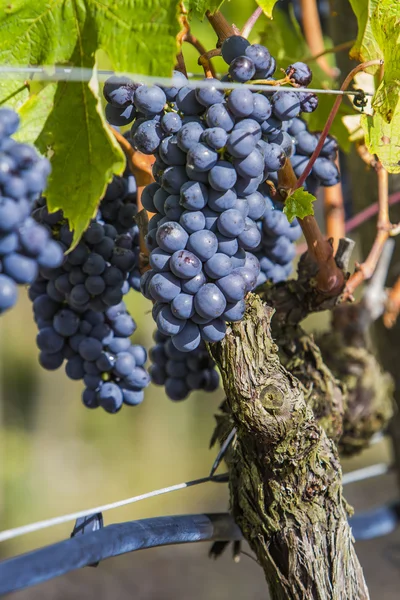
370,400
285,475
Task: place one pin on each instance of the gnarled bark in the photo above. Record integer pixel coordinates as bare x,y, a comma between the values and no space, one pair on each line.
285,475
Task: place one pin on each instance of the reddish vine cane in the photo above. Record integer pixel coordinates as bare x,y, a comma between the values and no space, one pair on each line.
140,165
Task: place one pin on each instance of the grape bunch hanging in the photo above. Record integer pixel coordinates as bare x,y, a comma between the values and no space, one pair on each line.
79,309
216,233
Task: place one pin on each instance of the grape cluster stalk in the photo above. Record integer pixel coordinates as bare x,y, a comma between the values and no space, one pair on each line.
215,233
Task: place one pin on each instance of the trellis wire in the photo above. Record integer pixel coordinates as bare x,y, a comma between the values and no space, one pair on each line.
49,73
32,527
7,534
366,473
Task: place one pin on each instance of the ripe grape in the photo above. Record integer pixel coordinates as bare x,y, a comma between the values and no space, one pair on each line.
233,47
242,69
300,73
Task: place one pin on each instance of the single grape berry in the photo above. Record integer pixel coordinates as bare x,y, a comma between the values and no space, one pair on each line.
300,73
233,47
242,69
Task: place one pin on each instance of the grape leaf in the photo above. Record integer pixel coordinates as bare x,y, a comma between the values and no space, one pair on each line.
385,25
267,6
366,46
381,129
299,204
383,139
84,158
34,113
137,36
200,7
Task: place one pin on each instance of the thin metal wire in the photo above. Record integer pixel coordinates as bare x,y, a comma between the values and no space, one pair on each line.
366,473
50,73
24,529
352,477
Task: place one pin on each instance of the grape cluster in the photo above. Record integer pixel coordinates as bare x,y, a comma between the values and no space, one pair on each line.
181,372
78,305
324,172
102,267
214,224
213,149
254,62
24,245
95,346
277,248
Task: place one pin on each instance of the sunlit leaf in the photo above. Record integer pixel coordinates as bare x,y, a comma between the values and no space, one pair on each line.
267,6
366,46
299,204
383,139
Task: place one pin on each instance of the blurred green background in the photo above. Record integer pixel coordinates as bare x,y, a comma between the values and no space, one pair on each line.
58,457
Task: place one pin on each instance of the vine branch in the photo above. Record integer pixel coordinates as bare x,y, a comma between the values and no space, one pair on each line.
330,278
221,26
285,476
366,269
334,213
392,308
331,118
333,50
251,21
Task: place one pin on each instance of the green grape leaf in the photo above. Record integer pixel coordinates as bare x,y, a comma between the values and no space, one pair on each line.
65,119
84,154
267,6
200,7
34,113
299,204
383,139
137,35
380,22
385,26
366,46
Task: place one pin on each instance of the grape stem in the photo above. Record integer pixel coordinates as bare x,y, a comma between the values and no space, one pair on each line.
140,165
334,212
180,63
221,26
333,50
366,269
360,218
332,115
392,308
205,62
313,34
251,21
329,279
185,35
275,82
209,70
